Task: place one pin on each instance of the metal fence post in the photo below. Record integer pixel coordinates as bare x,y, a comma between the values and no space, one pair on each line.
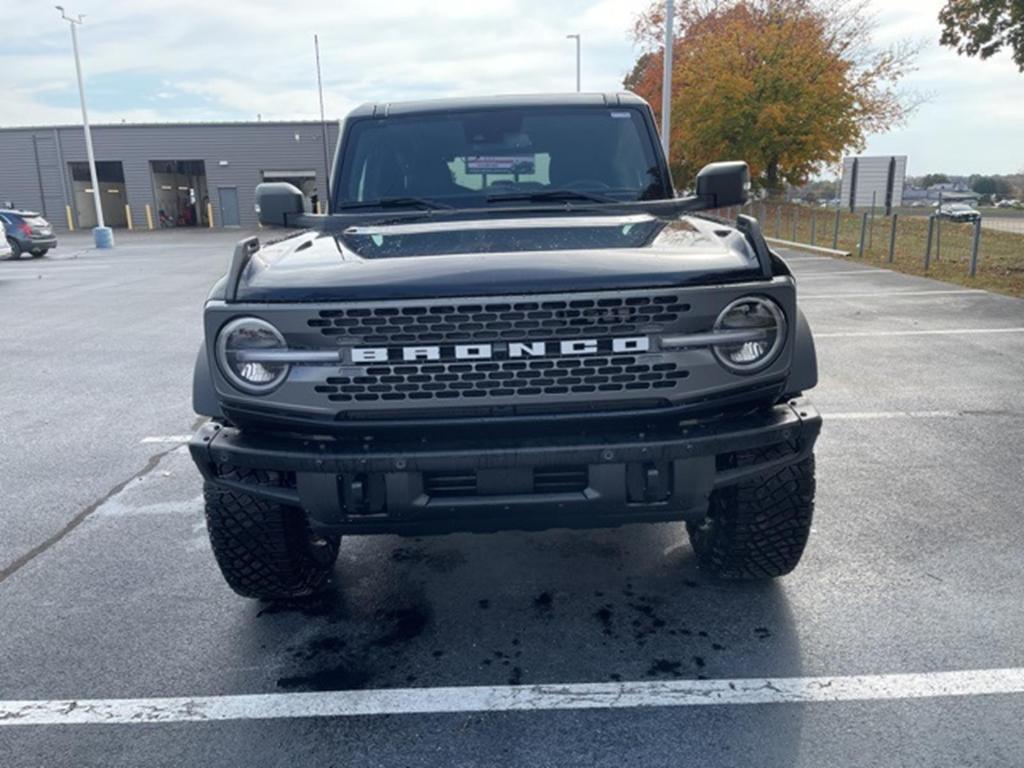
814,226
863,234
975,242
892,238
835,231
928,247
871,231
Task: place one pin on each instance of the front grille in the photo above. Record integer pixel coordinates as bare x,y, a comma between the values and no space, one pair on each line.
464,483
457,483
560,479
518,320
503,378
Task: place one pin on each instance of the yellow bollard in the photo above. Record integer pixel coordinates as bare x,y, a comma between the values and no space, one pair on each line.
71,221
128,215
209,214
149,216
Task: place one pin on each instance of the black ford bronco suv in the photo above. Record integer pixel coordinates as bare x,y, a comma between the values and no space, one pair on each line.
506,320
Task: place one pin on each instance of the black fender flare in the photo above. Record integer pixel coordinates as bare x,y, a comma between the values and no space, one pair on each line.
803,373
204,395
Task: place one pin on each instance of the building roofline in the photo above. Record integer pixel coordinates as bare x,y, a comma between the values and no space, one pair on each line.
173,124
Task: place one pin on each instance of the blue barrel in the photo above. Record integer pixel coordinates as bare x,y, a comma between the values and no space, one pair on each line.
104,237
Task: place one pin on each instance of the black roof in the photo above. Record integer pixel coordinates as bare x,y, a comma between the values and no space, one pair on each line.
475,103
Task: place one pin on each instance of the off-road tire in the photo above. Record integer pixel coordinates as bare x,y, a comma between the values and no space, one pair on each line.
265,550
758,528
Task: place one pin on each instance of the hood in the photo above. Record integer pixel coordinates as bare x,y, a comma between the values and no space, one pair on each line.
495,256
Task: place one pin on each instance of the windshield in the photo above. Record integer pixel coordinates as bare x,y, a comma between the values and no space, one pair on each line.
480,158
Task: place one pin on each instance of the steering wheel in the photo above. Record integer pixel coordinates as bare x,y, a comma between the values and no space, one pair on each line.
583,185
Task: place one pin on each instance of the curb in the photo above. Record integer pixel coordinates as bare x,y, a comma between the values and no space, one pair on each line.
806,247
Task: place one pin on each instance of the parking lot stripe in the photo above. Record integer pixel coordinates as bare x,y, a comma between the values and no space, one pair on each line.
840,272
632,695
888,294
935,332
852,416
172,439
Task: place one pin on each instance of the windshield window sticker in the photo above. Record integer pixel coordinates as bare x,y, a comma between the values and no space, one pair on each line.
621,115
481,164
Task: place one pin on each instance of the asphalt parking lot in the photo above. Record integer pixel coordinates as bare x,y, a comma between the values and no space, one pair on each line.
108,589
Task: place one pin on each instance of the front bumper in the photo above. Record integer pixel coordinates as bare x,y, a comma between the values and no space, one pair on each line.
443,484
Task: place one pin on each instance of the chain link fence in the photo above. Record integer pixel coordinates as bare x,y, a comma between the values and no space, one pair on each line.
988,253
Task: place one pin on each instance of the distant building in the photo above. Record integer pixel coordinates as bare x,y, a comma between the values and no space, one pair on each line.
164,173
955,191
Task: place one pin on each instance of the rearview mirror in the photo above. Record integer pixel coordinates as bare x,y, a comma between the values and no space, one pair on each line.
277,201
724,184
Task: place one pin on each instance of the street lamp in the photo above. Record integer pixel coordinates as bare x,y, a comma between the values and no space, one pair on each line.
666,78
577,38
103,236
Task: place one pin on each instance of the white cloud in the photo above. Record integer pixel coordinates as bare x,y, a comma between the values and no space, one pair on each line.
238,58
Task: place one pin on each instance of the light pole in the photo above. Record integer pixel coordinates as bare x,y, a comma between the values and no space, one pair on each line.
577,38
666,79
102,235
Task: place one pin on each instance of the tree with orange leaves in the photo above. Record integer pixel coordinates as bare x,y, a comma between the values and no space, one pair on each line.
787,85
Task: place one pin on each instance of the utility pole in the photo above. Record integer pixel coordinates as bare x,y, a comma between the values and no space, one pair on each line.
577,38
326,193
102,235
666,80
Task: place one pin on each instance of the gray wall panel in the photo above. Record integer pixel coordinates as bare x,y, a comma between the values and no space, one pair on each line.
247,148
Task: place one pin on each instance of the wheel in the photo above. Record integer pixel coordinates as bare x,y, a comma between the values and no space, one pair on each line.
757,529
40,254
265,550
15,248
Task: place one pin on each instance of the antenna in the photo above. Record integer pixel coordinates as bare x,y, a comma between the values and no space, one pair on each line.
323,127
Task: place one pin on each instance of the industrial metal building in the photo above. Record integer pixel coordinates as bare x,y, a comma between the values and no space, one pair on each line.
161,174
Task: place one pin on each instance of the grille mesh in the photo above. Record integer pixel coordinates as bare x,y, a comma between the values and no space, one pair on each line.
502,378
482,322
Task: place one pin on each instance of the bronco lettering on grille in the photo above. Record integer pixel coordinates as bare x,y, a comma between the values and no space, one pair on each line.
497,351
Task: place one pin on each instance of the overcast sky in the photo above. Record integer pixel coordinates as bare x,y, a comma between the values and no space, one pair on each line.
161,60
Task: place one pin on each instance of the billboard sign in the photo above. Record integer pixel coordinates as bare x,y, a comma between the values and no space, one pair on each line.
873,180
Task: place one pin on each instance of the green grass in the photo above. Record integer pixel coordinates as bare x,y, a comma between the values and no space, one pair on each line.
1000,254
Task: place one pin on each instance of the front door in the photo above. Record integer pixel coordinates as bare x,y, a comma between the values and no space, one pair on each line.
228,206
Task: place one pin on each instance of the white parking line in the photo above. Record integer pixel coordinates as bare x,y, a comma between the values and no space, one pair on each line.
855,416
166,439
888,294
404,701
841,272
938,332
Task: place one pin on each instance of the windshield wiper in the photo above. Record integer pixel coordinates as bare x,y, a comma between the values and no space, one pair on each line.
552,195
394,202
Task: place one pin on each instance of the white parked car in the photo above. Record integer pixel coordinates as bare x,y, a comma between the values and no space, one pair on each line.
5,248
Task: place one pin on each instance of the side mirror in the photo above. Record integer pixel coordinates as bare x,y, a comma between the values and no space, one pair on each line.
724,184
277,202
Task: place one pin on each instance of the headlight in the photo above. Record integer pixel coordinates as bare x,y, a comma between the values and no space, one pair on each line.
751,313
242,354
